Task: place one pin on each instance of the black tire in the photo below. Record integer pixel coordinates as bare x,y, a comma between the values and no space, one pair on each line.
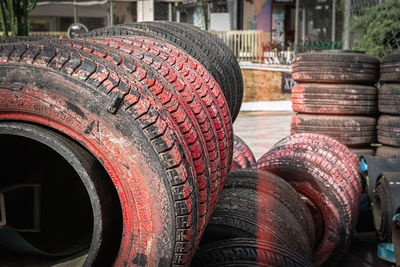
247,252
389,68
350,130
382,210
388,152
334,67
389,130
217,45
334,99
389,99
273,185
243,158
324,192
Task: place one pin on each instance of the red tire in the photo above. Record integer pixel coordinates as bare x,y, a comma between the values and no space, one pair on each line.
243,158
136,141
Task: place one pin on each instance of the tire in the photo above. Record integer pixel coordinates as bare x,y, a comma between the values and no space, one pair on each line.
207,99
360,152
350,130
388,152
314,179
334,99
243,158
186,44
247,252
76,93
331,151
382,211
389,99
270,184
331,67
389,130
217,46
389,68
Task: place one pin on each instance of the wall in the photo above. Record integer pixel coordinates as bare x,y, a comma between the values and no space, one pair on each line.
257,15
263,85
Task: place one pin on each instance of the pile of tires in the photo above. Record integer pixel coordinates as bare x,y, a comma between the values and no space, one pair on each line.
336,95
243,157
141,115
254,224
389,106
325,174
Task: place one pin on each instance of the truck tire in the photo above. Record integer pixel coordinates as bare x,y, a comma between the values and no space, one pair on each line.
350,130
334,99
243,158
247,252
389,68
389,130
135,140
333,67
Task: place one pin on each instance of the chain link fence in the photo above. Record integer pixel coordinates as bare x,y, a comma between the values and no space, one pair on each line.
375,26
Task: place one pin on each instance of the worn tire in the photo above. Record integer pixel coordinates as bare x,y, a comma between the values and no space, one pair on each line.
390,68
349,130
219,49
388,152
382,211
360,152
243,158
389,99
334,67
247,252
334,99
88,99
316,180
336,154
389,130
270,184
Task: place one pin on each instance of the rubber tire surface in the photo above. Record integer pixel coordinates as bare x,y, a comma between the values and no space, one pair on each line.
82,96
382,211
389,99
389,68
247,252
388,152
243,158
334,99
217,46
389,130
367,151
334,67
349,130
270,184
316,180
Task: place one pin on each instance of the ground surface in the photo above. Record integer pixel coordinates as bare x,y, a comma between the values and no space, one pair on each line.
261,130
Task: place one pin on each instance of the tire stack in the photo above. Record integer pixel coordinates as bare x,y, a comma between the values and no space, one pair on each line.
325,174
155,112
389,106
335,95
254,223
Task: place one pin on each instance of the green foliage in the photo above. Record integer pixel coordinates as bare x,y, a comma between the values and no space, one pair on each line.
14,16
378,28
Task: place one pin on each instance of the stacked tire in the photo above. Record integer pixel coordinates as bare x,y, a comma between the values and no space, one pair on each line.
254,223
335,95
150,114
243,157
389,106
325,174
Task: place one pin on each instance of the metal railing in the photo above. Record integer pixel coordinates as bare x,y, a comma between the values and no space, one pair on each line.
246,45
